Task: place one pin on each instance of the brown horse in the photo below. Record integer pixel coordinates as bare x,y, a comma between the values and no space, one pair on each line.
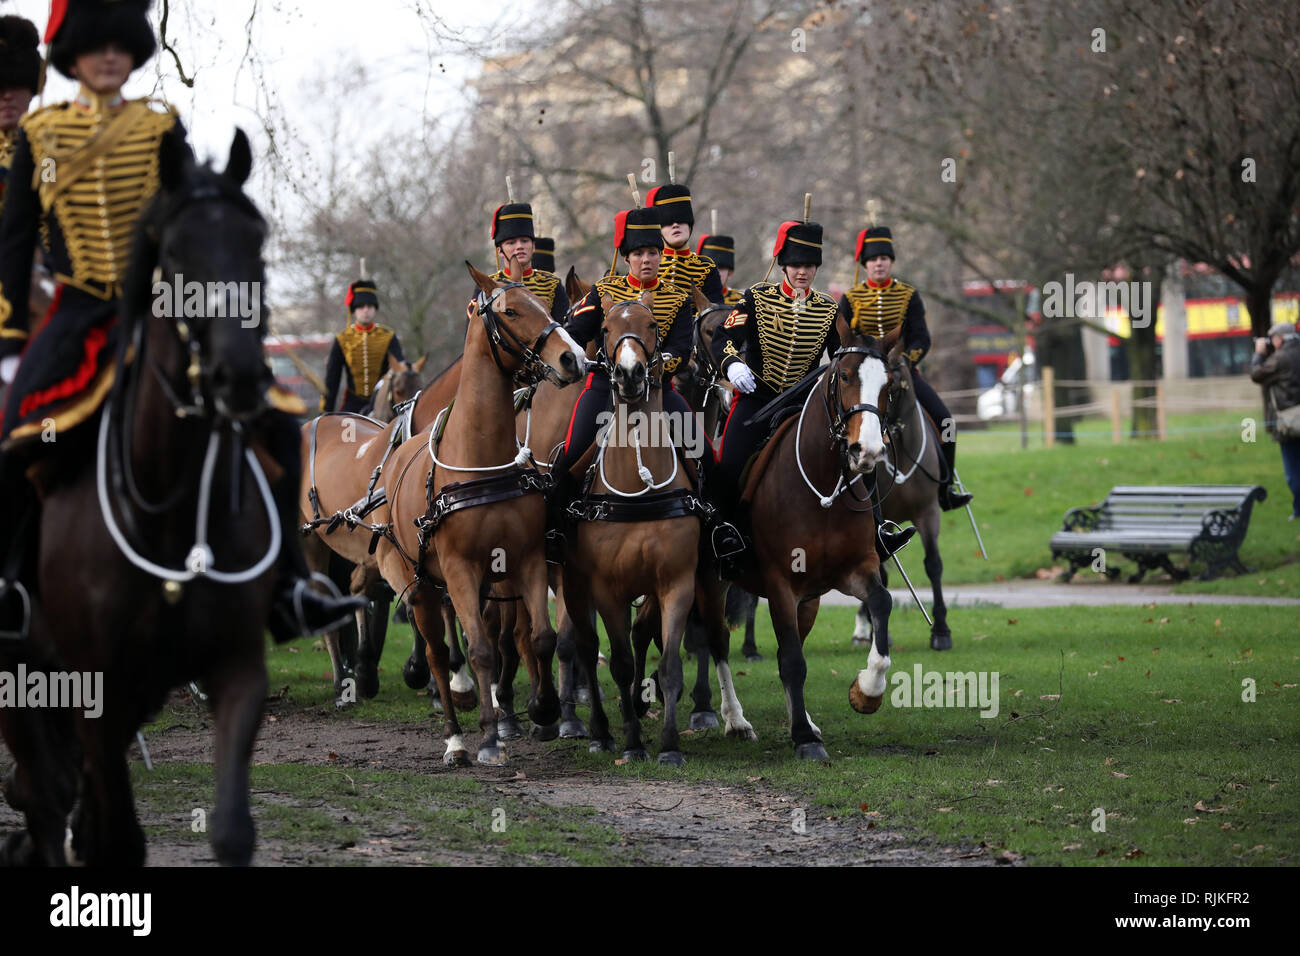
450,526
138,592
399,384
812,523
908,483
640,535
345,467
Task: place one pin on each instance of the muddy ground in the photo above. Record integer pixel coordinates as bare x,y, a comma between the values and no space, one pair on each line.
636,821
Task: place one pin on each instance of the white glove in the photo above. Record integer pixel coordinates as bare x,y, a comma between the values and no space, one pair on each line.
740,375
9,368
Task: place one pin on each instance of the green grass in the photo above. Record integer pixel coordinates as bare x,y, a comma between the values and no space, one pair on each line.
1150,721
1154,695
1022,495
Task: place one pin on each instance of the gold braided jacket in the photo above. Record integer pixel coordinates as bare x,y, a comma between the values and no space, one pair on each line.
878,311
685,269
538,281
791,332
366,355
6,160
668,301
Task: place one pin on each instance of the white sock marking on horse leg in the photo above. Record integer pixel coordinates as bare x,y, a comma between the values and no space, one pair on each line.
732,713
461,682
455,743
495,705
871,681
862,623
815,729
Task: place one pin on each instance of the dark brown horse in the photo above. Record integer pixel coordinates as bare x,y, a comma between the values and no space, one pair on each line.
908,483
812,523
640,535
466,513
136,591
400,383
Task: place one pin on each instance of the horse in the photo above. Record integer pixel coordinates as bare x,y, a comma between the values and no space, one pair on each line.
399,384
145,605
448,531
639,534
340,502
806,498
908,482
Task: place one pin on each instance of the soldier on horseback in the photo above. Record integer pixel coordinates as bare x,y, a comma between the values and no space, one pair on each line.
637,237
783,329
104,152
680,266
20,71
880,304
512,234
361,352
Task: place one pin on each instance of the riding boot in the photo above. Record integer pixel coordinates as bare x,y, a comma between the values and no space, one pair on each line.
298,610
558,499
723,536
948,499
890,541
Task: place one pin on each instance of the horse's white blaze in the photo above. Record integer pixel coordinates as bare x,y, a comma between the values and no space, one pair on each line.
455,743
871,681
461,682
364,447
872,375
578,351
627,358
732,713
862,627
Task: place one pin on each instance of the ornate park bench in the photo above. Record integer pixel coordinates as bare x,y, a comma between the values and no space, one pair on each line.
1146,524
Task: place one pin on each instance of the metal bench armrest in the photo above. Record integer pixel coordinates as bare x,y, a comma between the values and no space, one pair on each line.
1082,519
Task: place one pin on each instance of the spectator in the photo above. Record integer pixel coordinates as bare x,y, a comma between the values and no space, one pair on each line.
1279,374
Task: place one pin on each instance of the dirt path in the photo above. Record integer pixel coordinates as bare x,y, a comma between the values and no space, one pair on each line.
654,821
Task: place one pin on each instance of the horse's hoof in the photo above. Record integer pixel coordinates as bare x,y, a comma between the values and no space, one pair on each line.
456,758
508,728
491,756
861,702
414,676
753,657
672,758
368,685
575,728
742,733
636,756
704,720
812,751
546,731
940,642
861,641
601,746
342,704
464,700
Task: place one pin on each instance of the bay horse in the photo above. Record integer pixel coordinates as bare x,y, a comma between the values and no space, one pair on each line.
449,529
639,534
155,596
806,499
908,483
399,384
345,459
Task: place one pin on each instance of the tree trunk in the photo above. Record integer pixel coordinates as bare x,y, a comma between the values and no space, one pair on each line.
1142,367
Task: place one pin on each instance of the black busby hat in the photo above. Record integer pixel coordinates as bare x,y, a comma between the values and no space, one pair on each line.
798,244
514,220
876,241
362,292
20,63
721,249
671,203
544,253
80,26
636,229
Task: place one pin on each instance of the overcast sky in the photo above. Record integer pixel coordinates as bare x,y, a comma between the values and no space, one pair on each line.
414,74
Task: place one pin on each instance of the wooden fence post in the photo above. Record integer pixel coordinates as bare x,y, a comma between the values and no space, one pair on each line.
1049,406
1115,429
1160,410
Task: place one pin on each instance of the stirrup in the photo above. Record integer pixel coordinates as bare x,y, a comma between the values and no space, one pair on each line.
951,498
302,626
905,533
6,588
721,528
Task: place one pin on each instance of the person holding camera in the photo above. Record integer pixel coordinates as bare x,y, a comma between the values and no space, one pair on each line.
1279,374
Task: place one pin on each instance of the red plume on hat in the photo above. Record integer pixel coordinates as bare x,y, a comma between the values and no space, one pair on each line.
58,10
781,236
620,227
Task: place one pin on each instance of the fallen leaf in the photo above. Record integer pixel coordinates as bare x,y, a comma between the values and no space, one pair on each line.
1119,658
1116,773
332,756
1013,620
1007,856
1189,820
1133,854
945,809
619,762
1109,762
1102,852
1073,846
1028,492
520,775
1049,696
1171,700
1164,620
1201,807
